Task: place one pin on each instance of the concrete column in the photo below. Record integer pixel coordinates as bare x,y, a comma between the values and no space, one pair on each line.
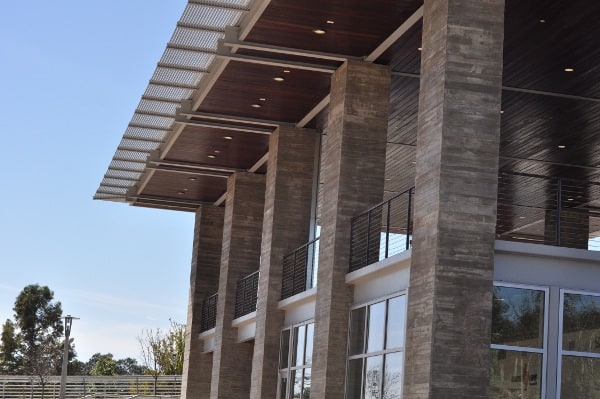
450,295
353,179
204,280
244,207
286,226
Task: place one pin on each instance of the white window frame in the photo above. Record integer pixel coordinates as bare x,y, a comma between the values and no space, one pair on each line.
544,350
561,351
289,369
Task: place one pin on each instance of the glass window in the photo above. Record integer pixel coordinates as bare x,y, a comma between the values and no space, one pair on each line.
357,331
518,342
581,323
580,377
295,374
376,327
374,371
396,322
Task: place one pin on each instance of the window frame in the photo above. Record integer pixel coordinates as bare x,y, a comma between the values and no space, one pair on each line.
291,358
544,349
365,354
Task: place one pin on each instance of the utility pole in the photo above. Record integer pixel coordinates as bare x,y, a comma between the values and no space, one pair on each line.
63,375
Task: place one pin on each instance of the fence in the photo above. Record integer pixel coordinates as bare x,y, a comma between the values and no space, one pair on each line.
300,269
550,211
382,231
105,387
246,295
208,319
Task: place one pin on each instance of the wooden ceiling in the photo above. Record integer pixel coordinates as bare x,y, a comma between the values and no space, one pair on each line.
550,125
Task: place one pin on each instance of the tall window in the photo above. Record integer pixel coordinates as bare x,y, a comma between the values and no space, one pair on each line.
376,350
295,359
579,345
519,335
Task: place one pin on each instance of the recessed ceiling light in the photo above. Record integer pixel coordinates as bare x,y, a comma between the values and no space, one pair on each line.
255,105
181,192
420,48
192,178
330,22
278,79
569,70
217,152
521,217
569,199
561,146
286,71
211,156
501,111
319,31
228,137
262,99
543,21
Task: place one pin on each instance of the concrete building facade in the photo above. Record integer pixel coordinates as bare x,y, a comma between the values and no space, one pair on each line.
392,201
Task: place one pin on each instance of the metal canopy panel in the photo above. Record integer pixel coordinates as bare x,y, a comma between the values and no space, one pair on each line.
182,67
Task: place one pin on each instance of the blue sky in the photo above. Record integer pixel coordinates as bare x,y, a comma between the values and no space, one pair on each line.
71,74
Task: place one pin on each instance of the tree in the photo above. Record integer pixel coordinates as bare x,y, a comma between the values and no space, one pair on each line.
128,366
104,365
162,352
9,350
39,321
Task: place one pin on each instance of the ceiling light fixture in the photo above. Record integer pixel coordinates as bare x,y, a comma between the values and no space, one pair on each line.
420,48
330,22
228,137
211,156
255,105
319,31
561,146
543,21
192,178
262,99
286,71
181,192
278,79
569,70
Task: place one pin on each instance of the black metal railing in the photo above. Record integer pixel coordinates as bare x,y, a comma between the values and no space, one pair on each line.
382,231
300,269
550,211
246,294
208,319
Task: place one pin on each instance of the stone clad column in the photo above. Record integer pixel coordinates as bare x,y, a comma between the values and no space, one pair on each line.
353,179
204,280
286,226
450,295
244,207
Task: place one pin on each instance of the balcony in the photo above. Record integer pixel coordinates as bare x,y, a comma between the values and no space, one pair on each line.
300,269
382,231
246,295
208,320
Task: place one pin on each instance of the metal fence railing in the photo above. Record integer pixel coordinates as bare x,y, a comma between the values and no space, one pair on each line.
550,211
246,294
300,269
105,387
208,320
382,231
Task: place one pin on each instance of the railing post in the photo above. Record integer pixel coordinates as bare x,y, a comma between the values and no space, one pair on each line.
368,238
387,229
294,273
408,218
558,209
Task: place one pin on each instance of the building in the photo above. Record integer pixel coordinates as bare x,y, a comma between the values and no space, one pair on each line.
392,199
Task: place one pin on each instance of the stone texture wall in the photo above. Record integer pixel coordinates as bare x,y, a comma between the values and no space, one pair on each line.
242,231
286,226
204,280
450,296
353,179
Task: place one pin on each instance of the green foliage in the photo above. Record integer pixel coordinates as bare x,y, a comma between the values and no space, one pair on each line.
10,361
162,352
129,366
104,365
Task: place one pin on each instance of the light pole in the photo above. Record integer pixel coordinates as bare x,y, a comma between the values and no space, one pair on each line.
63,375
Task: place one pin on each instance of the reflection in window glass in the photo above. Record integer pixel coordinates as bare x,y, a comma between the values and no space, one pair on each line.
354,379
581,323
297,384
580,377
357,331
373,377
375,372
282,386
515,374
299,345
392,382
284,349
518,317
310,332
306,383
376,327
396,323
